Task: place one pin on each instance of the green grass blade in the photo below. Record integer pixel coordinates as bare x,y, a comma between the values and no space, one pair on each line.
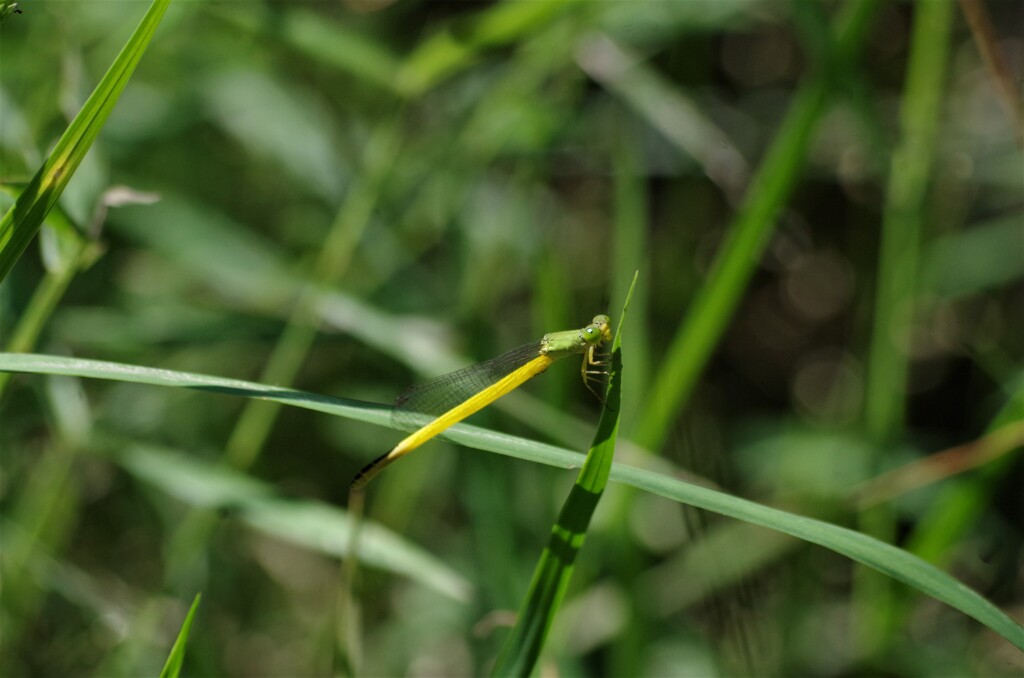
78,254
896,295
312,525
98,369
887,559
554,569
451,51
713,306
23,220
905,212
883,557
172,669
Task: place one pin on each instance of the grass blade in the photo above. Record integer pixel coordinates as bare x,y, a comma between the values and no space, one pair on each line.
897,302
20,224
553,571
172,669
878,555
713,306
905,213
311,525
98,369
451,51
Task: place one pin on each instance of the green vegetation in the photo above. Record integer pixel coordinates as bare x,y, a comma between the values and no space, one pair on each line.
172,669
232,230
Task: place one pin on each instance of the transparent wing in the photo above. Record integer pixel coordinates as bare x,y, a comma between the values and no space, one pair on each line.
422,403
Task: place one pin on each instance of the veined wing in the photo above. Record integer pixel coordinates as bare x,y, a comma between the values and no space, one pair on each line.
422,403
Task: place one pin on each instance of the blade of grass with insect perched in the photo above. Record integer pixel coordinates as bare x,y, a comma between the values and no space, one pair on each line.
554,568
432,407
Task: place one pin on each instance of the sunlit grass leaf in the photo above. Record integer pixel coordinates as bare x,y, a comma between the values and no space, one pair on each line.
883,557
310,524
98,369
554,569
20,224
453,50
177,657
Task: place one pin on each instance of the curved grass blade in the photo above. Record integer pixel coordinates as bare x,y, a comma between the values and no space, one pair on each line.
175,660
883,557
312,525
554,569
99,369
20,224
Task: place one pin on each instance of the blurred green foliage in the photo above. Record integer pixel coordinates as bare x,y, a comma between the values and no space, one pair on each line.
345,196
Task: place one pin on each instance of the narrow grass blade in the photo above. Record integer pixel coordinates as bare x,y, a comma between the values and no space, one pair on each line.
750,232
312,525
883,557
905,214
448,52
75,255
172,669
897,302
20,224
98,369
551,577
